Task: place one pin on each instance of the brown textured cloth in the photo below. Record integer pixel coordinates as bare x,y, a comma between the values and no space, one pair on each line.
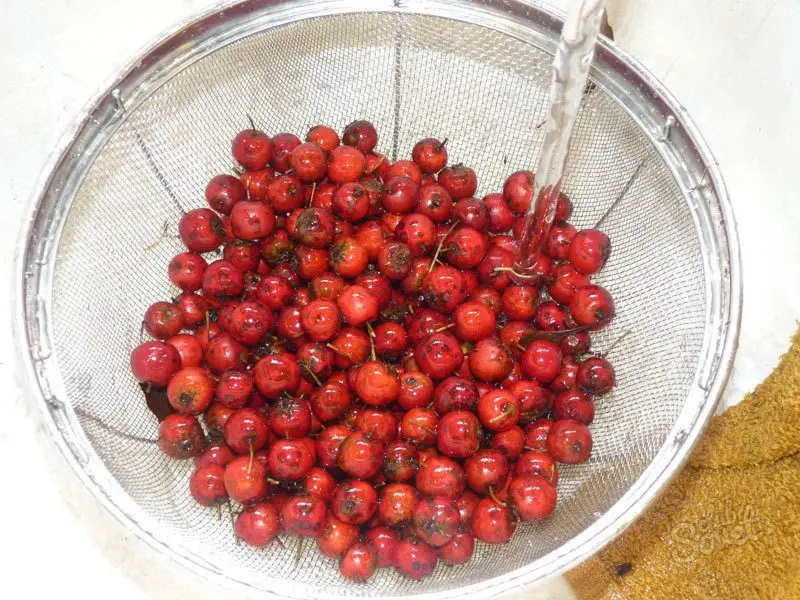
729,526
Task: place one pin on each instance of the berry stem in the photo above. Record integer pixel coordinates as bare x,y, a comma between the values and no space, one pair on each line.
375,166
441,243
445,328
494,497
427,430
514,272
371,332
615,343
442,145
508,410
311,372
338,351
252,125
252,455
159,239
313,191
553,336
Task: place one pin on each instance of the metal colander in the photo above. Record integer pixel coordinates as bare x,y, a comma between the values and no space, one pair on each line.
94,253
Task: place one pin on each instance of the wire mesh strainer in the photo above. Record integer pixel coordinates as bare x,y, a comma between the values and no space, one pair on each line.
477,72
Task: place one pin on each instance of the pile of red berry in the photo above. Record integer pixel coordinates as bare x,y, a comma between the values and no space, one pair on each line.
369,370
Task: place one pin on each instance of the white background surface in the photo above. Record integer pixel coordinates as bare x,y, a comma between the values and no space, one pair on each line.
734,64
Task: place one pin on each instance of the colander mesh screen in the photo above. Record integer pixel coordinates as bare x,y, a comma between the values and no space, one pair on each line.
413,76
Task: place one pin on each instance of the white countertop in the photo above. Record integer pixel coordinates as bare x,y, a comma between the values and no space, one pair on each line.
723,60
